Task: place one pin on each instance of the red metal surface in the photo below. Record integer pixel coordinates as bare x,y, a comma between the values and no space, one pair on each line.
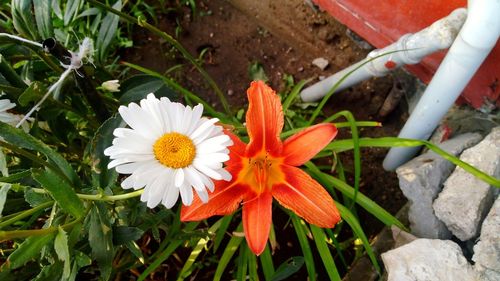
384,22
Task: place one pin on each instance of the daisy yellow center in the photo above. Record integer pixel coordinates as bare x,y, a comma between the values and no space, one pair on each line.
175,150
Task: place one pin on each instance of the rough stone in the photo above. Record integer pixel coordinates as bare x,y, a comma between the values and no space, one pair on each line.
487,250
322,63
421,180
401,237
428,259
465,199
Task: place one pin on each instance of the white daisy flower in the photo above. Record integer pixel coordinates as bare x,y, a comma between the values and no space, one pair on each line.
169,149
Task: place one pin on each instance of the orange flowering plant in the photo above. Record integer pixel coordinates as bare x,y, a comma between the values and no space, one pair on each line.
266,168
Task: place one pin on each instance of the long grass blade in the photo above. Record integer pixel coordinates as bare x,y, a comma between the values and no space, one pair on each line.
266,260
202,242
373,208
344,145
358,230
304,245
242,266
293,94
166,253
232,246
324,253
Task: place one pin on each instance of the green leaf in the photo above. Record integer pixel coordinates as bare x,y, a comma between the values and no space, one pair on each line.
19,138
27,251
166,253
50,272
60,190
242,266
135,250
293,94
256,72
288,268
107,31
33,93
138,87
56,7
252,265
80,260
22,18
101,239
34,199
232,246
369,205
200,245
43,19
89,12
358,230
102,176
324,253
124,234
3,195
304,245
266,260
72,7
3,165
221,232
62,251
344,145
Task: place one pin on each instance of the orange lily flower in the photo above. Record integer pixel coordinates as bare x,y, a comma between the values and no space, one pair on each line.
265,168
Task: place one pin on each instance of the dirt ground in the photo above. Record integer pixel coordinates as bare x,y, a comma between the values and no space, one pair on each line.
241,33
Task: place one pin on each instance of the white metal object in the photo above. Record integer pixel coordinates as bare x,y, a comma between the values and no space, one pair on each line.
473,43
409,49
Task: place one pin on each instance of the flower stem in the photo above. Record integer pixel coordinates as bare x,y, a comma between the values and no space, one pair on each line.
173,42
9,235
26,214
100,197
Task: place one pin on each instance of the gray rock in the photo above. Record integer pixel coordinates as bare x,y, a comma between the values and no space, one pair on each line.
322,63
429,260
487,250
421,180
401,237
465,199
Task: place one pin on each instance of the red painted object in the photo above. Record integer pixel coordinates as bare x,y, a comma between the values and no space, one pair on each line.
382,23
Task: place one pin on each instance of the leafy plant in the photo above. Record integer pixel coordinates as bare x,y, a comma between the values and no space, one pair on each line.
63,212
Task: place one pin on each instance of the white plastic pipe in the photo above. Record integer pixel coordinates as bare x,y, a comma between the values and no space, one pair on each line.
473,43
438,36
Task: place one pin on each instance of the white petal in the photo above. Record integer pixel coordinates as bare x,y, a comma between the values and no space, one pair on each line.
216,157
207,182
203,194
156,192
193,177
170,196
195,118
204,126
186,194
207,171
225,174
179,178
186,120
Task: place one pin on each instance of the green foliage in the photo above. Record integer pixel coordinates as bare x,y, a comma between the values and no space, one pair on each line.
63,213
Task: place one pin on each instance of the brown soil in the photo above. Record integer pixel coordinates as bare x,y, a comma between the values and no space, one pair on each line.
287,46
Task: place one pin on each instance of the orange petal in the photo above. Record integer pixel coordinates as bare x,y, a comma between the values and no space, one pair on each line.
257,221
305,144
306,197
224,200
264,119
236,151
